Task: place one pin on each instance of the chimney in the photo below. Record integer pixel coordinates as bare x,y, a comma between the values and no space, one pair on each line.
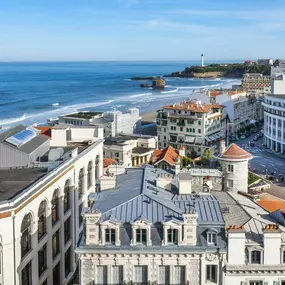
236,245
272,244
92,227
222,146
190,227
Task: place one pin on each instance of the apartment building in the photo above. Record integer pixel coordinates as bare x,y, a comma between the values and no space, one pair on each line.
241,108
112,122
190,123
274,115
255,83
46,176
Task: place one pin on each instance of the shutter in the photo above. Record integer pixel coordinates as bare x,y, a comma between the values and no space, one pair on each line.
102,274
265,283
163,275
179,274
118,274
276,283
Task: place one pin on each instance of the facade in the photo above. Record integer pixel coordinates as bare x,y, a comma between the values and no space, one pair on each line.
255,82
274,115
277,70
41,203
130,150
242,109
113,122
265,61
190,123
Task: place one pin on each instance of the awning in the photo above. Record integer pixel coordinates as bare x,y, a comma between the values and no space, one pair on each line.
199,140
189,139
208,139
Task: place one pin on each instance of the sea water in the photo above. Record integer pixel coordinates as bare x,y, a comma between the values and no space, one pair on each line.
34,92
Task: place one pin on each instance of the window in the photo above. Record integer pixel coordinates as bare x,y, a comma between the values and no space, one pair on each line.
45,282
230,183
199,131
66,201
42,259
199,122
26,228
141,273
118,274
110,236
284,256
80,218
27,274
230,168
172,236
67,262
42,220
164,275
67,230
181,129
179,274
256,257
141,236
55,207
102,275
211,238
56,275
55,244
80,183
89,175
256,283
212,273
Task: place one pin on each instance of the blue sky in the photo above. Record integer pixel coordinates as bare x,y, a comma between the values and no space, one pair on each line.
141,29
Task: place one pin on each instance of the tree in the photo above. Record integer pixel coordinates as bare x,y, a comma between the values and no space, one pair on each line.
193,154
186,161
207,156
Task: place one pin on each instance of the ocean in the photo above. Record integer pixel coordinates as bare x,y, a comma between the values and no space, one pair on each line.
34,92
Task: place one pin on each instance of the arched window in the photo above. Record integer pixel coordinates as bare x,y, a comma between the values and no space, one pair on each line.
42,220
55,207
89,175
97,160
66,201
80,183
26,230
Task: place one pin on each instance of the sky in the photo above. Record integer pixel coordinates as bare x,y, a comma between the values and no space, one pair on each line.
60,30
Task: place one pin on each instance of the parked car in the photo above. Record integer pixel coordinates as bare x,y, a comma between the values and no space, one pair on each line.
252,144
255,138
243,137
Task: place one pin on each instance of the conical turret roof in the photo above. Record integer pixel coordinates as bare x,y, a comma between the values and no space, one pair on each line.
235,152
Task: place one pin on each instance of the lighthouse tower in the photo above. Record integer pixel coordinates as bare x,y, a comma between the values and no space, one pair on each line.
202,60
234,163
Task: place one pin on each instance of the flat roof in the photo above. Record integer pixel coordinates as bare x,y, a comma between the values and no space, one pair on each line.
14,181
83,115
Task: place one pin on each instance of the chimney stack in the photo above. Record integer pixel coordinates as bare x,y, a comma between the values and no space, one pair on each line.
222,146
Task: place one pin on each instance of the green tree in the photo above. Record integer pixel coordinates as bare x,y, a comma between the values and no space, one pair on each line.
207,156
186,161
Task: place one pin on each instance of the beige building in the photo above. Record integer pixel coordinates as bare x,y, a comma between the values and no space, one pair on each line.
190,123
255,82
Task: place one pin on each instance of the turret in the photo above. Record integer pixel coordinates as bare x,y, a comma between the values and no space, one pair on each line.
234,163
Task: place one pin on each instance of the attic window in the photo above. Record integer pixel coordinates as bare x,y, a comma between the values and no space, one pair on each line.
141,236
211,238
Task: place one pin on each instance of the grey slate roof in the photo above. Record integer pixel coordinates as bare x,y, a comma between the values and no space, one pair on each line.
136,195
28,147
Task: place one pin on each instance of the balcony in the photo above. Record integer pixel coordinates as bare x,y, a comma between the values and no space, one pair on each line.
181,124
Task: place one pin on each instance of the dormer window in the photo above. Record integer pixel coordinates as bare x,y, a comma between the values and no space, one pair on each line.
172,236
110,236
256,257
211,238
141,236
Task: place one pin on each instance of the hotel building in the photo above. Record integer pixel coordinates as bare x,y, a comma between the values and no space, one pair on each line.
255,82
190,123
274,115
46,176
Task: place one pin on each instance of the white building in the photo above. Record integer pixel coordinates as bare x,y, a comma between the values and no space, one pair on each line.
113,122
130,150
41,200
153,227
274,115
242,109
190,123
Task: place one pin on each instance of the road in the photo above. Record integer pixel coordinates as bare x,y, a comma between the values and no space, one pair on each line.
264,161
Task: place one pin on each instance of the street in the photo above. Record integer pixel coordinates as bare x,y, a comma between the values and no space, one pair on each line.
264,161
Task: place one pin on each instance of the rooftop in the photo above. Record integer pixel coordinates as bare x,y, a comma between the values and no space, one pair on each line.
83,115
15,181
235,152
108,161
193,106
27,147
168,154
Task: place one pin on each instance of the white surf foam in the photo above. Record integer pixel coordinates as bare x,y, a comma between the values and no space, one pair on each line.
13,120
170,91
55,104
139,95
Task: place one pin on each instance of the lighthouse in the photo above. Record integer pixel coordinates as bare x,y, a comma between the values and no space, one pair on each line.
202,60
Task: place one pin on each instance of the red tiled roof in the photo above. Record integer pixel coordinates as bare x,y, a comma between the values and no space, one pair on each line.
108,161
169,154
45,130
193,107
236,152
271,206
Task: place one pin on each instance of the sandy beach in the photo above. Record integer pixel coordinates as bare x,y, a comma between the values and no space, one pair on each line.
149,116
